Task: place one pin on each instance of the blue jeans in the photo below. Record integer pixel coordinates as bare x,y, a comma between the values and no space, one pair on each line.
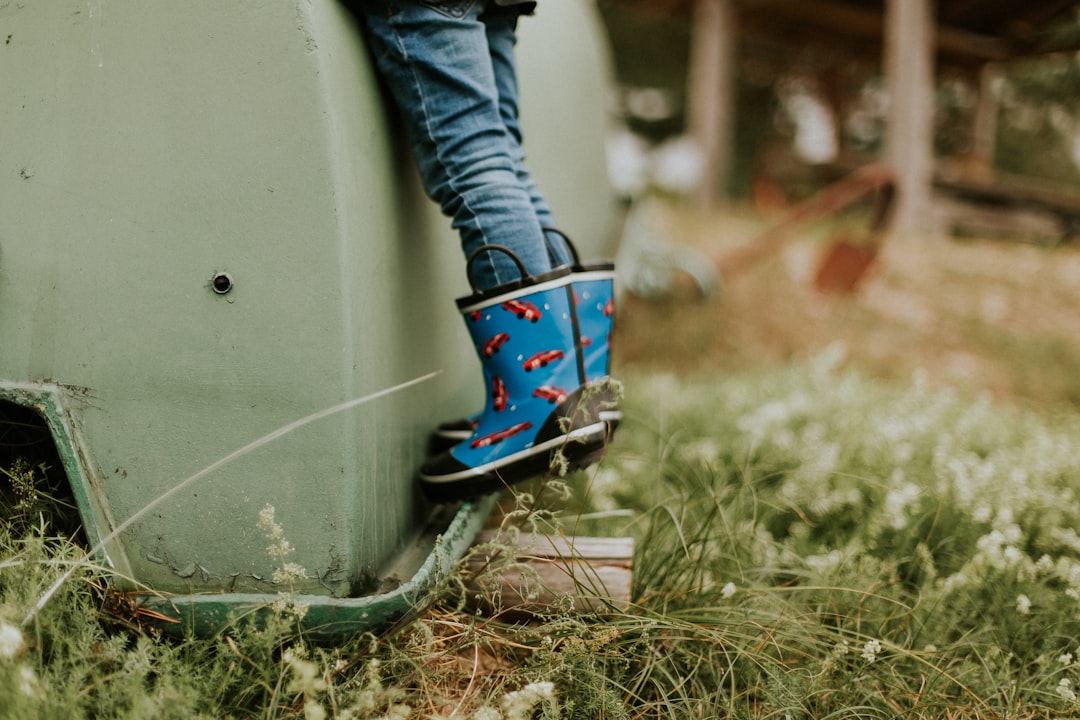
450,66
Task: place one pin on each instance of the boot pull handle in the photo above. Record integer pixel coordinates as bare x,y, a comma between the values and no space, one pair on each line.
488,248
566,239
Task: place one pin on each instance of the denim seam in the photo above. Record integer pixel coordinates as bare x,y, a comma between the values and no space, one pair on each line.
450,8
418,88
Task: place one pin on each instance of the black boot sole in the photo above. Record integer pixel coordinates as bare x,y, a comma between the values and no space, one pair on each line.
444,479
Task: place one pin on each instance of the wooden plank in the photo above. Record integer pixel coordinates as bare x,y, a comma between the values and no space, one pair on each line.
582,574
1004,189
869,24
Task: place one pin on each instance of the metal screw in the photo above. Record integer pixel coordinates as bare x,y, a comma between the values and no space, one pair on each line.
221,283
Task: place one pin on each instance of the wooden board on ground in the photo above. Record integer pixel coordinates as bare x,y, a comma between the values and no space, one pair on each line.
546,574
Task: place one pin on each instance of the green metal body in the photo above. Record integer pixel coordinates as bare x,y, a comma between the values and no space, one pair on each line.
156,154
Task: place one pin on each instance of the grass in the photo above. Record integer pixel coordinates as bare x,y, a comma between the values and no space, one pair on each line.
843,507
812,543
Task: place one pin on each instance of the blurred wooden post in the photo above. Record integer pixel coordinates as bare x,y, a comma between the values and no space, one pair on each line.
711,94
909,70
986,117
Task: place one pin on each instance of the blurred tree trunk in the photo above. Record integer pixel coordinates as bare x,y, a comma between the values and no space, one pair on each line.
909,70
711,94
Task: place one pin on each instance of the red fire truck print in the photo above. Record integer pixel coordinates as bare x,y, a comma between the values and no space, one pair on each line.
524,310
500,435
541,359
551,393
499,395
492,346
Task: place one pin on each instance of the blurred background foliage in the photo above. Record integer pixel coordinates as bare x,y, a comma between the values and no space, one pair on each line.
1038,123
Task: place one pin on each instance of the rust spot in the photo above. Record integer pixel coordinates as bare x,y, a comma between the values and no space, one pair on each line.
123,609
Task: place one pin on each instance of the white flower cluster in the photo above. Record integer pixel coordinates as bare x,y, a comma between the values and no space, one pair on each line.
11,641
29,684
871,650
897,501
306,681
771,420
519,704
288,572
12,644
997,550
279,546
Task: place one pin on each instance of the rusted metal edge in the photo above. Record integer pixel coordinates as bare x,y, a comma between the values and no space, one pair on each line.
50,401
324,617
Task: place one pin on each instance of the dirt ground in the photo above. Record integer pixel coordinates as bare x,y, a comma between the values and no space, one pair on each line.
984,315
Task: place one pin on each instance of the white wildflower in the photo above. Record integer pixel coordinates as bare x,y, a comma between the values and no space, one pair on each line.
519,704
956,580
288,572
729,591
279,547
1011,532
267,521
11,641
1012,555
898,501
871,650
1023,604
1065,691
487,713
28,683
288,604
1070,571
306,677
824,563
1065,658
398,711
306,681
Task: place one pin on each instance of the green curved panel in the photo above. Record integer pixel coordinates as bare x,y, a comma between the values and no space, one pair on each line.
153,146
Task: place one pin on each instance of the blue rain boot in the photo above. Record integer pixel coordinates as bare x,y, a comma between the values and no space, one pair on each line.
594,297
539,404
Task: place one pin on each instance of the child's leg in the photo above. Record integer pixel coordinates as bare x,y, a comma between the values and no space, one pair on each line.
436,61
502,37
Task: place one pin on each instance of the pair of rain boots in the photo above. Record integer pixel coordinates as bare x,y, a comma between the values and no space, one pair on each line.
543,344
